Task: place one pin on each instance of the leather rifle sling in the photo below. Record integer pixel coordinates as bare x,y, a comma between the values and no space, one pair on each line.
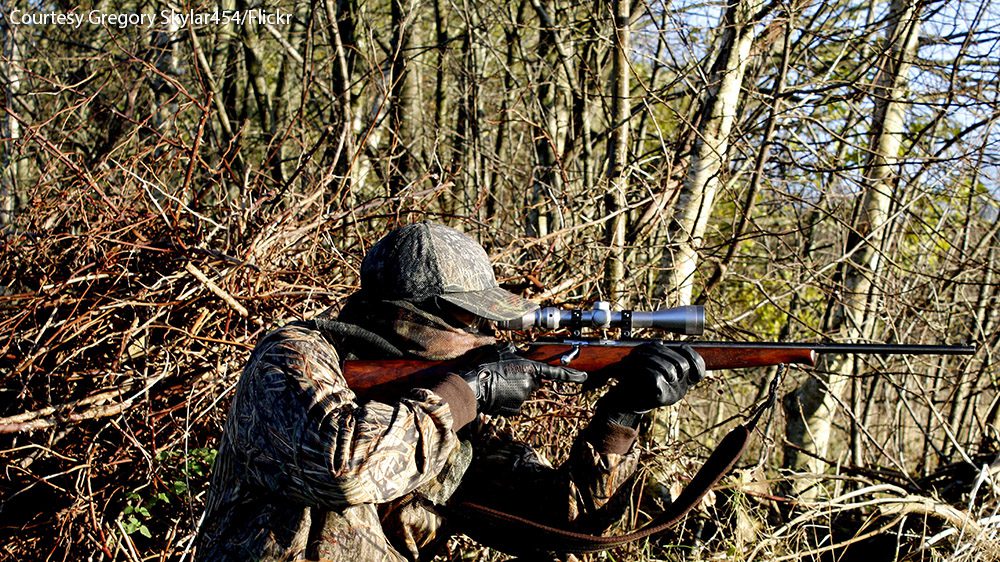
493,526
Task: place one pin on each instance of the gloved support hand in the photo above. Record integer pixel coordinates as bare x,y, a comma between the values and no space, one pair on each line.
652,375
501,386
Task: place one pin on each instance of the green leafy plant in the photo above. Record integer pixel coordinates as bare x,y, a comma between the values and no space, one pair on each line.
135,515
181,471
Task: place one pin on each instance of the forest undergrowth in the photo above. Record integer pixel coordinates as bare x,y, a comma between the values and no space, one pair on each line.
125,324
807,171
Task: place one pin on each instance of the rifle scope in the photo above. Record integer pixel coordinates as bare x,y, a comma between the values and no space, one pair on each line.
688,320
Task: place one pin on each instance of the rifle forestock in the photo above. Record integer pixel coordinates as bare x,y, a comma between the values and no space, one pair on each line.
368,378
593,356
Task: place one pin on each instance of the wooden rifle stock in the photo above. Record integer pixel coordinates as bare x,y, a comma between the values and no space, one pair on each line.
377,378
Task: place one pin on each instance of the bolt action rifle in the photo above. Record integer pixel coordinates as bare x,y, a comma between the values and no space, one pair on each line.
597,356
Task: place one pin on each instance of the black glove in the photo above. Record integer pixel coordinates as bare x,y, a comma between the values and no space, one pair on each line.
501,386
652,375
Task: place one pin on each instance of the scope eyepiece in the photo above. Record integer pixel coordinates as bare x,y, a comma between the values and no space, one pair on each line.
687,320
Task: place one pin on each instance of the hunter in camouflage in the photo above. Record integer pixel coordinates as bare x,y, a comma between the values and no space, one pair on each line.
306,471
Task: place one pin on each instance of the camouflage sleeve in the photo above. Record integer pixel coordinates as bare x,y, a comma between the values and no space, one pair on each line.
600,468
300,434
588,492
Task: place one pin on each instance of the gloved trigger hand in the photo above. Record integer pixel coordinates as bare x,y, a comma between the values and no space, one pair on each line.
501,386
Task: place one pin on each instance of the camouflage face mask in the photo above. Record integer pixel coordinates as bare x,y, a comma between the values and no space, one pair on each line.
414,330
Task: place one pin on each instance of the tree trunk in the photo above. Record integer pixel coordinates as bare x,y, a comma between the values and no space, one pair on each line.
10,165
217,64
694,204
464,166
812,407
497,198
547,181
403,108
341,29
757,176
583,109
256,74
440,97
614,200
288,85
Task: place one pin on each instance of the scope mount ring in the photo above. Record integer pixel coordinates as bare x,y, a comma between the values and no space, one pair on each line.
626,324
576,323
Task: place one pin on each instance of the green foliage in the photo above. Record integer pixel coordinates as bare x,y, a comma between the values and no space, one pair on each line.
135,514
196,465
181,472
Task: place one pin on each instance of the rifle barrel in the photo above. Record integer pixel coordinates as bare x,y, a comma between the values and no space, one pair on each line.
858,348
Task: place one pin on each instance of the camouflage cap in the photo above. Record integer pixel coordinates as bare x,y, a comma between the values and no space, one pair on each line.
424,260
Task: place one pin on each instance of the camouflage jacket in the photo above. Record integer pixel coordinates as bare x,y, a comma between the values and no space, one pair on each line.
307,472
